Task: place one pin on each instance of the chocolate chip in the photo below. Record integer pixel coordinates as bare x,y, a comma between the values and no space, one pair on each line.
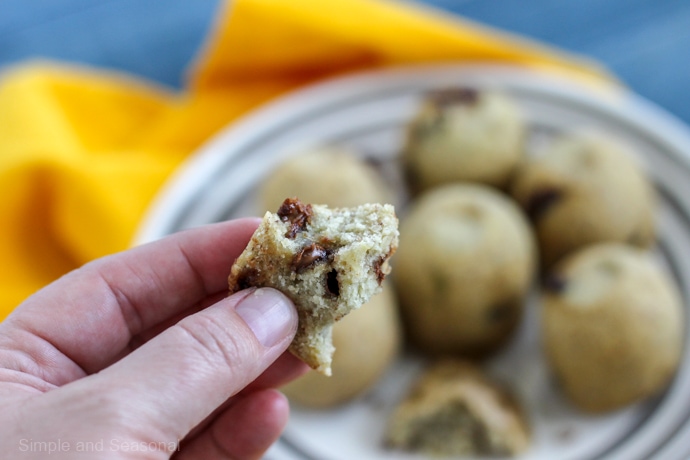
454,96
378,266
250,277
501,313
308,257
638,237
412,178
332,285
554,283
380,275
296,213
541,201
440,283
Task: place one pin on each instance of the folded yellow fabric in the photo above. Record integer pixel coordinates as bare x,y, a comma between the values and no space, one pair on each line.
83,152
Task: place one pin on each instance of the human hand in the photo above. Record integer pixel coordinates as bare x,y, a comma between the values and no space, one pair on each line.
128,355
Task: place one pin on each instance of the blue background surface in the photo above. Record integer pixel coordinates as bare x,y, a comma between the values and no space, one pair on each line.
646,43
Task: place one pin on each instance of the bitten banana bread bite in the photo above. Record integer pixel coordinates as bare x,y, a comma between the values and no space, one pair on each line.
327,261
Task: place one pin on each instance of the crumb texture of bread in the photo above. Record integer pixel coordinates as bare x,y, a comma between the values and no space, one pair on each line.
327,261
455,410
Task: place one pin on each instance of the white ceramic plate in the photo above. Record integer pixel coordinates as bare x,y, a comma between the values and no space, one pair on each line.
368,112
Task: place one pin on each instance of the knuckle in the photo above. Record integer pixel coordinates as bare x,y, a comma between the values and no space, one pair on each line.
98,407
215,342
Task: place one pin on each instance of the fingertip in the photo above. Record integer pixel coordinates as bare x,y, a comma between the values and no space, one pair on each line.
245,430
269,314
253,424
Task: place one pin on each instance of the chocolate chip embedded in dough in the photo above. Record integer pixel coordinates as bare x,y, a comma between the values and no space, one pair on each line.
248,278
378,269
541,201
296,213
638,237
502,312
554,283
454,96
308,257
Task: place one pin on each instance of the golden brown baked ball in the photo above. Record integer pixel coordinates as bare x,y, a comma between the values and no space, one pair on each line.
366,343
585,189
613,326
464,134
330,175
454,409
463,267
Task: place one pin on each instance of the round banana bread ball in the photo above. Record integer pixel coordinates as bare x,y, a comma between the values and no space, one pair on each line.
455,409
366,342
464,134
585,189
463,266
613,326
330,175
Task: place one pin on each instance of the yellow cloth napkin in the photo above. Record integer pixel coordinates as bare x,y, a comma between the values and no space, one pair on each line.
82,152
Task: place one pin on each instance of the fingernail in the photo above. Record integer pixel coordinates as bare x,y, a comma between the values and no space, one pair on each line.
269,314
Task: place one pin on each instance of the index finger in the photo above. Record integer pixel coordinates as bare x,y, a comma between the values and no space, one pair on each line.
91,314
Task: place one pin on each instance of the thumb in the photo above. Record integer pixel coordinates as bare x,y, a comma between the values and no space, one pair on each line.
177,379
